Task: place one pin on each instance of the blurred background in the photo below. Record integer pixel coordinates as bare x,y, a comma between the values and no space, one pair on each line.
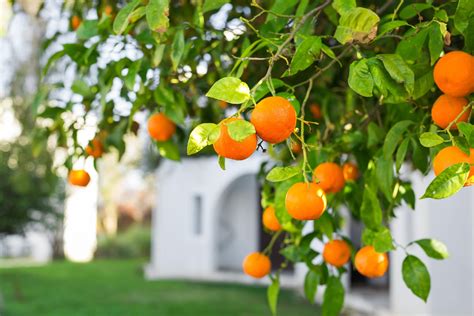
149,238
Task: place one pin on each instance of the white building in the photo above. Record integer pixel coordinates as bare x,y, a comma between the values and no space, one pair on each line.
206,220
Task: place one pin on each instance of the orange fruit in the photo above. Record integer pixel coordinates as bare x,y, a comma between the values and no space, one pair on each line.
315,111
337,253
454,74
305,201
274,119
75,22
79,177
330,177
350,171
370,263
95,148
222,104
446,108
226,147
452,155
160,127
269,219
108,10
296,147
257,265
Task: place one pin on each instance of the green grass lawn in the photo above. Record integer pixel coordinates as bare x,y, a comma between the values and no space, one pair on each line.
110,288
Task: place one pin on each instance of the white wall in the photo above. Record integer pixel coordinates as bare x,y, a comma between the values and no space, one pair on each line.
450,221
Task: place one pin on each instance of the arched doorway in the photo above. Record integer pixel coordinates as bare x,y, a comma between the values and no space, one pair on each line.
237,223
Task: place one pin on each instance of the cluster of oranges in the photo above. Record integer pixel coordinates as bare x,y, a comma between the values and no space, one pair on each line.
274,119
454,76
307,201
95,149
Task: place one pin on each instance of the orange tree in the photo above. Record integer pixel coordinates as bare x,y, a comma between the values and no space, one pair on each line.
337,94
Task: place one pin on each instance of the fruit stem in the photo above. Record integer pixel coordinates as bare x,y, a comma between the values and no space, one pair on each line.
303,143
275,236
447,129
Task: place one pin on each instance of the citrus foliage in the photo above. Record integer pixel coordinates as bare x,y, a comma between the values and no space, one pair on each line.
357,75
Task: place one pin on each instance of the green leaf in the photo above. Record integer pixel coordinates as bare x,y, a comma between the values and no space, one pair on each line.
79,86
401,153
461,143
177,49
375,134
382,241
306,54
51,61
413,10
272,295
131,76
433,248
468,131
435,42
423,84
87,29
200,137
389,26
384,175
324,225
371,213
311,282
221,162
463,15
360,78
333,297
448,182
344,6
158,55
416,277
210,5
357,25
394,136
231,90
122,19
398,70
280,196
239,130
157,12
168,150
430,139
278,174
137,14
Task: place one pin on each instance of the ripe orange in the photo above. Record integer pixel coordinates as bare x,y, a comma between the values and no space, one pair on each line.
222,104
330,177
370,263
95,148
454,74
75,22
451,155
305,201
274,119
108,10
296,147
350,171
257,265
79,177
337,253
160,127
232,149
269,219
315,111
446,108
